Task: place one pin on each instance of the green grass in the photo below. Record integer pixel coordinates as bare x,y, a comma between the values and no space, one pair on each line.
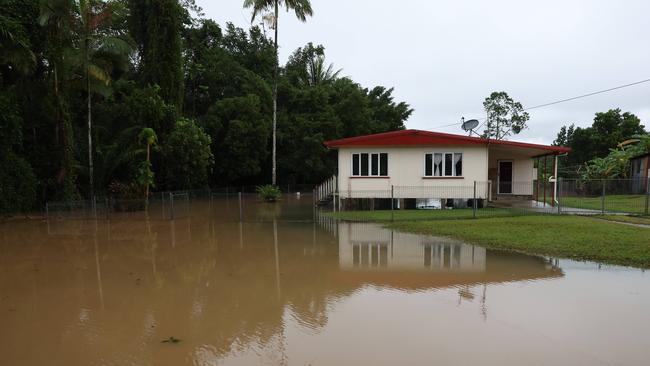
619,203
643,220
408,215
575,237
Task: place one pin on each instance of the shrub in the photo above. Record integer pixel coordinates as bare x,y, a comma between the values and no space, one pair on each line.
188,156
17,184
268,193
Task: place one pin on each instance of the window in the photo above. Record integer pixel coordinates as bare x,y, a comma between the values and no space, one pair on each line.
383,164
370,165
443,165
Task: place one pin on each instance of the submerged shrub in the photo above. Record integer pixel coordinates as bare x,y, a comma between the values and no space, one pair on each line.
268,192
17,184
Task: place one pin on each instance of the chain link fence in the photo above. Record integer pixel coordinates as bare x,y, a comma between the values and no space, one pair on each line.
495,199
605,196
442,201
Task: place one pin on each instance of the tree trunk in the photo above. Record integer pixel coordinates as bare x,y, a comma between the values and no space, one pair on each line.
90,138
64,176
275,98
146,188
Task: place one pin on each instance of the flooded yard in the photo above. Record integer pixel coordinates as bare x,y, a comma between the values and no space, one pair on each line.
280,288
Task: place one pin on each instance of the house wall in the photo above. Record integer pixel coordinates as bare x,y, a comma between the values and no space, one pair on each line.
406,173
523,171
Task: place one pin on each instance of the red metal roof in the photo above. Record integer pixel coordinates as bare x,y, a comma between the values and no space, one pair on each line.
428,138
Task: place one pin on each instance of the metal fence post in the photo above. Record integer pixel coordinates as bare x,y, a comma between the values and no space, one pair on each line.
240,208
558,184
602,199
474,202
171,203
392,203
647,195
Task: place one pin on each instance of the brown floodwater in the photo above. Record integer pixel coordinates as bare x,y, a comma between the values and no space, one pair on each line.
283,289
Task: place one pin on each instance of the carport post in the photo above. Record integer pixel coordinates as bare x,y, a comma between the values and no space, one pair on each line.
474,202
544,177
392,203
539,166
554,181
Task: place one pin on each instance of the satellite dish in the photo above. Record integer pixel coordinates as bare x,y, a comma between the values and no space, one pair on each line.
470,124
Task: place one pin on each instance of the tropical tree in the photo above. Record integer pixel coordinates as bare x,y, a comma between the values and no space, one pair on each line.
188,156
145,175
100,51
302,9
14,42
319,74
156,27
55,17
504,116
607,131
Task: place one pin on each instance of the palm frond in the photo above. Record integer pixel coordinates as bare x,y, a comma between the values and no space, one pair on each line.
258,7
116,46
302,8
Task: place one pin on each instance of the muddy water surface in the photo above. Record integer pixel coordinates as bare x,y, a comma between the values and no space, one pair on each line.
282,289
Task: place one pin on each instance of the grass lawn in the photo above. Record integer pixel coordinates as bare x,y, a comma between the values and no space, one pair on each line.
643,220
573,237
619,203
408,215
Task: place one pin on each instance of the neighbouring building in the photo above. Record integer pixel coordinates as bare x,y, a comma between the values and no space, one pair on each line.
640,172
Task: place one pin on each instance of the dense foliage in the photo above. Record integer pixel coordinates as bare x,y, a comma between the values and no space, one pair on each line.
595,150
81,80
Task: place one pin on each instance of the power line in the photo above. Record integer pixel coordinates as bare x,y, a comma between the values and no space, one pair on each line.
587,95
484,119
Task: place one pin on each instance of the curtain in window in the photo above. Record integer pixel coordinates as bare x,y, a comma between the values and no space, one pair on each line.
449,165
458,164
437,164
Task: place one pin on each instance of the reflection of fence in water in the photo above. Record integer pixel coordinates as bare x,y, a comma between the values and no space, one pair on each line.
165,206
83,209
176,205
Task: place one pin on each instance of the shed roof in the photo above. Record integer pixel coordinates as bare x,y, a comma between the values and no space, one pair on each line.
429,138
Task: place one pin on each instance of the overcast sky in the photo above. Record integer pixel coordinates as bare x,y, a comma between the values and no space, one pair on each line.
445,57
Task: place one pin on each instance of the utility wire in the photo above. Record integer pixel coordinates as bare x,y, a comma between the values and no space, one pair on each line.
588,94
484,119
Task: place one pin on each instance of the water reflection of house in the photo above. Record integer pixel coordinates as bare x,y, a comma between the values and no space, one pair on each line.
371,254
364,246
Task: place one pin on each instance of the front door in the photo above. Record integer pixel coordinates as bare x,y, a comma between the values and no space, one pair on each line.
505,176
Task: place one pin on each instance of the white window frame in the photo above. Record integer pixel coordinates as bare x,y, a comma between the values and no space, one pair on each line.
453,164
370,165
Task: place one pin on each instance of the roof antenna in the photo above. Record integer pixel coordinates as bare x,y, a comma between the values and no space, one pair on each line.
469,125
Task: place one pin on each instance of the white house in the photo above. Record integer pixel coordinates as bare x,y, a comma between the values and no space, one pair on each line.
415,164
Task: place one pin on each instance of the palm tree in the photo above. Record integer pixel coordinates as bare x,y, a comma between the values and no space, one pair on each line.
14,47
55,18
149,138
317,73
99,49
302,9
80,29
